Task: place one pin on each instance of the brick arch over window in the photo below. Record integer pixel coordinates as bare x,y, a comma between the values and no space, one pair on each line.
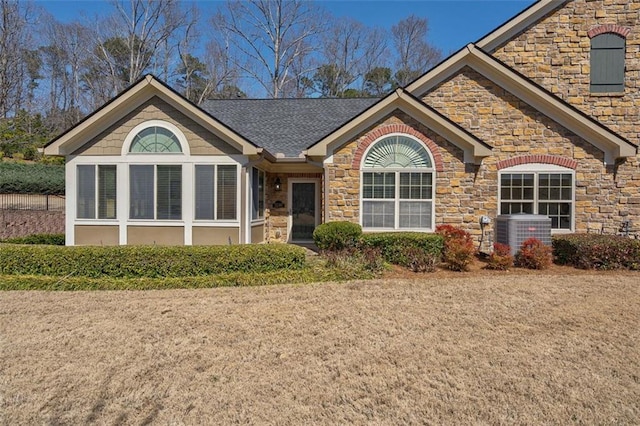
609,28
398,128
540,159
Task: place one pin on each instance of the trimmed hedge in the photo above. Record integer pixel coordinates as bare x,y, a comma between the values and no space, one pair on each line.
19,178
396,247
318,270
337,235
148,261
47,239
594,251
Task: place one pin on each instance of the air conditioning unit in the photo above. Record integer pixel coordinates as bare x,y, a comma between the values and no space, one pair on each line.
514,229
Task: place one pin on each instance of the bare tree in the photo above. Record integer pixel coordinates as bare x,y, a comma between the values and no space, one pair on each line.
131,40
15,41
271,39
415,54
349,51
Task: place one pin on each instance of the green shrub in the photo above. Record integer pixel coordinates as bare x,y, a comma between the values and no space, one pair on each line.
397,247
17,178
594,251
501,258
337,235
48,239
459,250
533,254
148,261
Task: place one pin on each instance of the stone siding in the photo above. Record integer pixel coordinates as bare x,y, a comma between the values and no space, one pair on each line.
516,130
201,141
20,223
277,218
555,54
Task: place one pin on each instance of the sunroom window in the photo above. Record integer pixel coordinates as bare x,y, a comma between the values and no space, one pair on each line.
155,192
397,185
96,197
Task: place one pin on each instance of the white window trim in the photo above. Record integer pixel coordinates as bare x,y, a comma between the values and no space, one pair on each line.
397,199
184,145
96,220
215,222
259,219
537,168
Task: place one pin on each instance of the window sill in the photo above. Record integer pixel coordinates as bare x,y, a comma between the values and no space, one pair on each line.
376,230
607,95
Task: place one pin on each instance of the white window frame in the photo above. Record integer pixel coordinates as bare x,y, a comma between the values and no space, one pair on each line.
96,183
155,193
397,199
230,222
536,169
261,214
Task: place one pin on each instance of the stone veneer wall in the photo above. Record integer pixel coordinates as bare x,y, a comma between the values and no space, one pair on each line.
514,129
19,223
276,218
555,54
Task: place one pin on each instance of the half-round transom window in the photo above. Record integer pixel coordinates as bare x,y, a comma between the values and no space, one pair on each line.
155,139
397,152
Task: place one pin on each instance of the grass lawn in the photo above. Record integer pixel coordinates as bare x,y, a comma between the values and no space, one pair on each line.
492,348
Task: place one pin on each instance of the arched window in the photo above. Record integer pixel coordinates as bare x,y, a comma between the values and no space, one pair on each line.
397,185
155,139
607,63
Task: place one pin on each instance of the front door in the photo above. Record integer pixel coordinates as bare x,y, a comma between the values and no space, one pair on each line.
304,209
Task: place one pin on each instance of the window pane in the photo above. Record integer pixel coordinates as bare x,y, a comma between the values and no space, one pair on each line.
257,194
205,178
107,192
86,192
155,139
415,214
378,214
169,192
227,192
415,186
141,190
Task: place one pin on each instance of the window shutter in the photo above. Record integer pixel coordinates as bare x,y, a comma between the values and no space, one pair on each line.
169,192
205,178
86,192
227,193
141,192
107,192
607,63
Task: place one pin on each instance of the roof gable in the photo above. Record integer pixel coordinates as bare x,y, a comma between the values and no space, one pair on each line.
613,145
474,149
125,102
517,24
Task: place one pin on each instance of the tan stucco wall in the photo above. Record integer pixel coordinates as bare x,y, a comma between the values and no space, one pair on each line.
215,236
201,141
257,233
155,235
96,235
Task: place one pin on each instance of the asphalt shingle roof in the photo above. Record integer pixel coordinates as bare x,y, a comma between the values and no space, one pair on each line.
286,126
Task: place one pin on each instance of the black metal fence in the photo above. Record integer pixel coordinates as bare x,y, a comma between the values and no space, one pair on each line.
32,202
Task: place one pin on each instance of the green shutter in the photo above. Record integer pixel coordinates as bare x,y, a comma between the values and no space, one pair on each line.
607,63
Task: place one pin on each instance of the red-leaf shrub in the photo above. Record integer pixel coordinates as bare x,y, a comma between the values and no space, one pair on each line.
501,258
458,250
534,254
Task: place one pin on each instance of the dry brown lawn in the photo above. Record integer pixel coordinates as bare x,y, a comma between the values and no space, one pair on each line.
492,348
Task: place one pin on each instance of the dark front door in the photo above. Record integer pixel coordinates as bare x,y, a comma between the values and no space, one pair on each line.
303,210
